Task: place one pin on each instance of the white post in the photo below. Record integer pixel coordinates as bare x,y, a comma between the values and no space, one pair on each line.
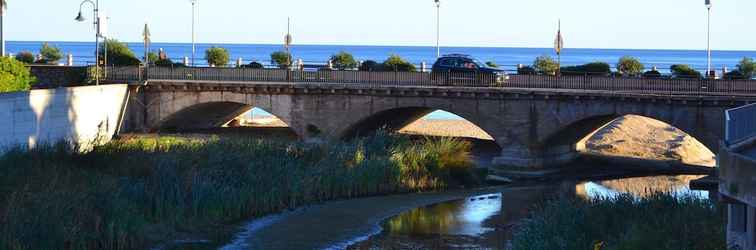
300,64
69,60
239,62
330,64
708,41
186,61
422,67
438,29
194,37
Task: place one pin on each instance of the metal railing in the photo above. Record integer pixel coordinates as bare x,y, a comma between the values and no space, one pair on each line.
740,124
662,86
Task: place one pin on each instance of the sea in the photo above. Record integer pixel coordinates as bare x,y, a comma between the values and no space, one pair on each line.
507,58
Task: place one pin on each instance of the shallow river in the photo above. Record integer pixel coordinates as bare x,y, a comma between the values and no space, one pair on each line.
485,221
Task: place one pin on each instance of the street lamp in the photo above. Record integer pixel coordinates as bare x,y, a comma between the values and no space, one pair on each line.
3,7
708,39
194,36
80,18
438,28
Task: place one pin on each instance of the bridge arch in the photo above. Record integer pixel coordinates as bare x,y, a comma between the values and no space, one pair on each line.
570,138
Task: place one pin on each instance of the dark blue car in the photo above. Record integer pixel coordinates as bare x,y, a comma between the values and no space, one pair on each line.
458,69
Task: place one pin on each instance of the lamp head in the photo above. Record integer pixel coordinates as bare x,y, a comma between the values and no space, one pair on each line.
708,3
80,17
438,2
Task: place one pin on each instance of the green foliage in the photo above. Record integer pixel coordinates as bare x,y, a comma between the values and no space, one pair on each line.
370,65
526,70
734,75
492,64
153,57
25,57
103,200
397,63
118,53
14,76
546,65
658,221
49,54
343,60
594,68
630,66
217,56
281,58
747,67
684,71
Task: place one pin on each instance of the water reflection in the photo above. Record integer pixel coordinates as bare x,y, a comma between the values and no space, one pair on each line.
484,222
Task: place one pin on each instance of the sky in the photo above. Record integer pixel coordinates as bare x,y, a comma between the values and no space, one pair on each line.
625,24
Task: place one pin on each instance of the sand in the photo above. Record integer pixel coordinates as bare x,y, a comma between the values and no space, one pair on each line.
629,136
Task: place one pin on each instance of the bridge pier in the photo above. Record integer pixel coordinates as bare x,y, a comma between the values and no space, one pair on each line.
536,157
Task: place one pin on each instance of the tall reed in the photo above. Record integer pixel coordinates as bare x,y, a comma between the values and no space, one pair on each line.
136,193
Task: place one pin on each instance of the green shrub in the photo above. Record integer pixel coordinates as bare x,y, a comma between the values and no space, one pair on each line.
14,75
371,65
594,68
492,64
734,75
282,59
217,56
652,74
49,54
167,62
153,57
630,66
397,63
343,60
546,65
102,200
526,70
747,67
25,57
253,65
118,53
657,221
684,71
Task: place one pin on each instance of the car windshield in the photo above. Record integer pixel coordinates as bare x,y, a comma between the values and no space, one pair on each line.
480,64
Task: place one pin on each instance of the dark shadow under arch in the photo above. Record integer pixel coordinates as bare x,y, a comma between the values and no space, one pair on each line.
213,116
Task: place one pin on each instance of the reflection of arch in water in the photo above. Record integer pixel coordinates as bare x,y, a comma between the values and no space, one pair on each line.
632,136
640,186
208,115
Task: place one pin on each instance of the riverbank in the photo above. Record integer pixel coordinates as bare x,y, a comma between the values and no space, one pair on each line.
144,192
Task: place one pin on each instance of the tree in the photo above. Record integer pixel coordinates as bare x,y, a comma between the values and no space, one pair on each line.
630,66
118,54
343,60
14,75
747,67
49,54
594,68
217,56
253,65
546,65
684,71
153,57
281,58
397,63
25,57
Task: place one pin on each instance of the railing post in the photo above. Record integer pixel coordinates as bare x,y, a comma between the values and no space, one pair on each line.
69,60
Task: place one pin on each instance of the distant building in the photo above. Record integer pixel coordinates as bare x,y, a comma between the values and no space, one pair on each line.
737,186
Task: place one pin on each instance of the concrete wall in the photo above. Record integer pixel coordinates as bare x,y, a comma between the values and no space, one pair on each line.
80,115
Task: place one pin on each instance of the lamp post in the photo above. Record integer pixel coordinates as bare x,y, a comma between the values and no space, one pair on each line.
438,28
708,39
3,7
194,36
81,18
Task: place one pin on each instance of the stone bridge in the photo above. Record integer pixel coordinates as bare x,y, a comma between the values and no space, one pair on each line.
534,127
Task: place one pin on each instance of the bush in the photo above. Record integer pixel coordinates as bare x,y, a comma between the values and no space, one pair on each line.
526,70
652,74
684,71
253,65
167,62
630,66
734,75
49,54
281,58
217,56
343,60
594,68
14,75
25,57
747,67
492,64
370,65
153,57
119,54
397,63
546,65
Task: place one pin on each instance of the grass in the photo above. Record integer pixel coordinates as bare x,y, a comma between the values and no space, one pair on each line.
656,221
137,193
